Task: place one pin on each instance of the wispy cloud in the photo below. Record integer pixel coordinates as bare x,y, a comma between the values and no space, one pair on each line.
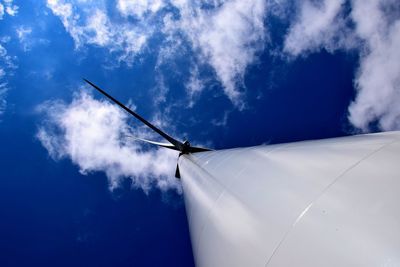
7,61
95,136
1,11
24,34
378,78
222,121
139,8
374,31
90,24
161,90
318,25
8,7
3,91
194,86
227,34
7,67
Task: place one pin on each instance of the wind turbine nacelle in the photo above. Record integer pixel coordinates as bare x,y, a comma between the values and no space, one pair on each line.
333,202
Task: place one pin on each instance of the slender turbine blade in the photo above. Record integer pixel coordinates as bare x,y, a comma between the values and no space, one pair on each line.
166,145
194,149
178,145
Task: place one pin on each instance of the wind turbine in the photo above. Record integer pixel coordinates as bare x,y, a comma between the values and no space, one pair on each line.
332,202
183,147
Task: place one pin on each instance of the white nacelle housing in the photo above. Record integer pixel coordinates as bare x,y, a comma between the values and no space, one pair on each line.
333,202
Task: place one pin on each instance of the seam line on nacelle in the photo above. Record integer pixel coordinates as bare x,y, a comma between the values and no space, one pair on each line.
302,214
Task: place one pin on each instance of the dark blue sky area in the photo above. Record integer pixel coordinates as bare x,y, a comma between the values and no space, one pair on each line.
52,215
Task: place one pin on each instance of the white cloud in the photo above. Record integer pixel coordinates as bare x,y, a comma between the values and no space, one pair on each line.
23,34
1,11
95,136
375,34
7,61
228,36
7,7
7,67
223,121
194,86
317,25
89,24
139,8
160,91
3,91
12,10
378,79
69,20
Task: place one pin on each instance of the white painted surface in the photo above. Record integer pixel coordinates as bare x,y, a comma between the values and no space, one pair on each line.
333,202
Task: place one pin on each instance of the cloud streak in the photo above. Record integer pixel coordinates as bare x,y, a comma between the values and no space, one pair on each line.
94,135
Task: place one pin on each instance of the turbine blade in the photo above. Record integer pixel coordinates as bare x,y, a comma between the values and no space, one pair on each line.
194,149
166,145
177,172
176,143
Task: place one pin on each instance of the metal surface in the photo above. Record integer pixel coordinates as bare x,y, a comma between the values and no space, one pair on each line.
333,202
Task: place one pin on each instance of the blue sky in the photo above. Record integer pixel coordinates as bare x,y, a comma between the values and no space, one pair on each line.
77,189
